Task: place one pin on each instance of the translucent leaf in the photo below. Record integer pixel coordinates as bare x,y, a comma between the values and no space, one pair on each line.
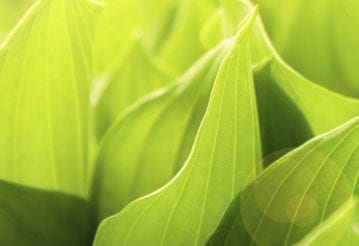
135,154
35,217
133,18
307,197
188,208
45,69
318,38
11,12
134,78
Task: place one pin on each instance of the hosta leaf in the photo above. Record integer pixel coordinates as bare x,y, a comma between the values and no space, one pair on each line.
11,12
44,74
188,208
36,217
306,197
224,24
132,18
286,99
135,154
318,38
137,76
300,107
182,45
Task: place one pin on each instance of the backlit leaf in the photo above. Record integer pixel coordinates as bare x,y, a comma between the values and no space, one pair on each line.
35,217
318,38
307,197
223,160
137,76
45,69
135,154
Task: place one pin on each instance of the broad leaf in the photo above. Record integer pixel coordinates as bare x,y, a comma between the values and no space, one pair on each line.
182,45
188,208
35,217
224,23
286,99
120,24
135,154
11,12
318,38
137,76
44,75
300,107
307,197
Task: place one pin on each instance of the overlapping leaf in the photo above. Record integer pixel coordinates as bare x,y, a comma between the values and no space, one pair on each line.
222,161
137,76
182,46
44,75
36,217
10,12
300,107
133,18
318,38
289,109
307,197
135,154
224,24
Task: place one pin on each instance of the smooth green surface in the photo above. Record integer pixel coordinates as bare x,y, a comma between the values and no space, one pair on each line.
136,77
134,19
36,217
45,72
182,46
10,12
318,38
224,23
187,209
135,154
162,114
301,108
306,197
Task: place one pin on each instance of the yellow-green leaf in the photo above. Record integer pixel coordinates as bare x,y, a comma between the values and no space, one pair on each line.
223,160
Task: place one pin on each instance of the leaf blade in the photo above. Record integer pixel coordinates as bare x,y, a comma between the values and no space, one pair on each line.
172,200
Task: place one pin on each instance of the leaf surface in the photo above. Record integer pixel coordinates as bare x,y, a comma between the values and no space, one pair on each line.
137,76
301,108
182,46
135,153
133,18
45,69
11,12
188,208
307,197
33,217
320,39
292,109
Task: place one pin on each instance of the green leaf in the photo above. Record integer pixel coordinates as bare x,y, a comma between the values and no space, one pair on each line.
122,22
318,38
137,76
10,13
45,69
135,154
35,217
182,45
286,99
300,107
224,24
188,208
307,197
